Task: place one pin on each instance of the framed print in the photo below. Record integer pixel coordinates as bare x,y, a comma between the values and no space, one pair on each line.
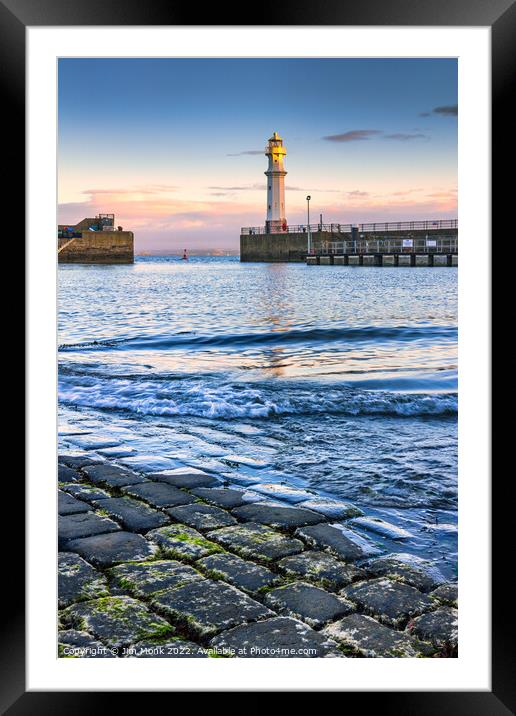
258,371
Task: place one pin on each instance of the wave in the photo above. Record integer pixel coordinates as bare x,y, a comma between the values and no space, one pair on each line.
358,334
228,400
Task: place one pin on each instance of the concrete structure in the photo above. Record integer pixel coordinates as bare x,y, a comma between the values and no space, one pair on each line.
276,219
95,241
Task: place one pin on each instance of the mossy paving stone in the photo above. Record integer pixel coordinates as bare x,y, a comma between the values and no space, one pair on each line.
420,574
256,542
147,578
205,607
329,538
87,493
439,627
71,527
182,542
221,497
107,550
67,474
447,594
159,494
77,580
77,461
201,517
185,479
322,568
283,518
133,515
241,574
388,601
366,636
311,604
172,649
279,637
68,505
81,645
117,621
111,475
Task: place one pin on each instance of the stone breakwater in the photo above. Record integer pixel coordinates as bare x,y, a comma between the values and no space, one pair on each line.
179,564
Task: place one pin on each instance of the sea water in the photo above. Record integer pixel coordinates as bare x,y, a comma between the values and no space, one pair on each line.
338,380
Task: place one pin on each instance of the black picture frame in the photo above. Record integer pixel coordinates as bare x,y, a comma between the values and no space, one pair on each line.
500,15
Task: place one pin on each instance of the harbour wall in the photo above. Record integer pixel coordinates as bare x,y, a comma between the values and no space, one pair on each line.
98,247
293,246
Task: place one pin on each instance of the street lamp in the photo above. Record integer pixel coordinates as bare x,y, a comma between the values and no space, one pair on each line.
308,224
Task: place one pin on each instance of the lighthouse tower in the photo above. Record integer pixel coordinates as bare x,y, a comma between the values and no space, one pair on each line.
276,221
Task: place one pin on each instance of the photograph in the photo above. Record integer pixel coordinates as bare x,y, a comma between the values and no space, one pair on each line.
257,312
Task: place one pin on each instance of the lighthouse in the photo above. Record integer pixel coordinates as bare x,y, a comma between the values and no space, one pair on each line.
276,221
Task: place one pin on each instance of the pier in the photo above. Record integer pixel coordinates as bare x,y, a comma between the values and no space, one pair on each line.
407,243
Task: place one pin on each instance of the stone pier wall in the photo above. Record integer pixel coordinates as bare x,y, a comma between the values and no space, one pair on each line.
99,247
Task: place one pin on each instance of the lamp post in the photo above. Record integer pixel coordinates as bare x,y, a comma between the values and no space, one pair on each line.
308,224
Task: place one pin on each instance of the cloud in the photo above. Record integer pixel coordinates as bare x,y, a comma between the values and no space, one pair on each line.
449,110
357,193
251,152
354,135
403,137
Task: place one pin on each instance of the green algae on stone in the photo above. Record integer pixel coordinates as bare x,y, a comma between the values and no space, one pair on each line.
143,579
390,602
78,580
205,607
116,621
256,542
201,516
182,542
322,568
249,577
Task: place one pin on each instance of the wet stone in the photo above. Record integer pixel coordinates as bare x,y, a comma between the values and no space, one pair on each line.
116,621
148,578
81,645
439,627
331,539
187,478
159,494
287,518
225,498
364,635
173,649
201,517
446,593
87,493
108,549
332,509
133,515
256,541
111,475
284,492
77,461
322,568
244,575
279,637
381,527
68,505
308,603
78,580
84,524
67,474
205,607
182,542
388,601
408,569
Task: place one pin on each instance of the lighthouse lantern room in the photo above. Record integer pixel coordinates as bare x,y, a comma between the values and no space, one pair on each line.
276,221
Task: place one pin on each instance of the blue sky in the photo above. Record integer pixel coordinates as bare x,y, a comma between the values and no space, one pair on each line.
174,146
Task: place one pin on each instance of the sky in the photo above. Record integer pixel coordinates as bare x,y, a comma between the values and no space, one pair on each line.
175,147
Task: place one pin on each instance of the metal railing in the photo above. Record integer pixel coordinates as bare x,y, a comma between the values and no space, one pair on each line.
434,245
384,226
